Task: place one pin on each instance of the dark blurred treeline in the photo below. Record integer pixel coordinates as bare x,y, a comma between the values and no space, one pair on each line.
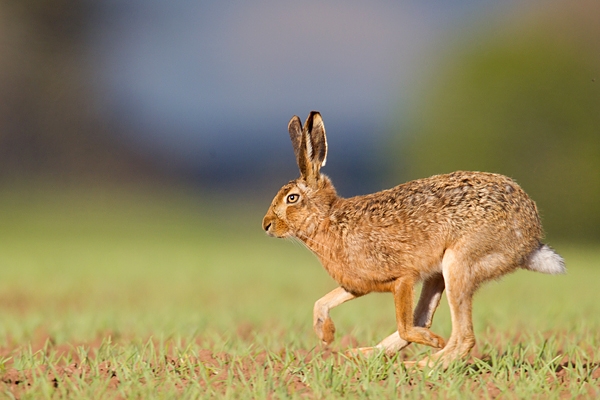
521,97
50,126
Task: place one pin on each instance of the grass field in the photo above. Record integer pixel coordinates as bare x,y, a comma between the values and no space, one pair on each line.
145,294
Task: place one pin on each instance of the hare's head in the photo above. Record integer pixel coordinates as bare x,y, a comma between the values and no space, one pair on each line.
300,205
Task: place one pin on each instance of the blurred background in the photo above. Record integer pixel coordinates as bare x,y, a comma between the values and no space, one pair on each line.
196,95
141,142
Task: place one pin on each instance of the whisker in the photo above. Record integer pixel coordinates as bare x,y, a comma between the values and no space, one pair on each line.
316,242
295,241
301,243
315,250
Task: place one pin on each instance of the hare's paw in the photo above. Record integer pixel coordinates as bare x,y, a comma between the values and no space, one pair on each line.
427,363
437,360
442,359
324,328
437,341
424,336
361,352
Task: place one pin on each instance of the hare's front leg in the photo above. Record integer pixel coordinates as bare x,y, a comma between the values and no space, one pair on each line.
322,323
431,294
403,299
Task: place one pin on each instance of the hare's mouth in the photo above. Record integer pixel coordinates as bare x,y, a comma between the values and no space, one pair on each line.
278,235
271,233
270,230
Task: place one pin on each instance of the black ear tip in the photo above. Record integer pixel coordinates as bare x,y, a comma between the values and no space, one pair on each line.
295,122
312,116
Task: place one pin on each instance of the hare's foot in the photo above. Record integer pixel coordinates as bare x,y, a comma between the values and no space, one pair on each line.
421,335
391,345
325,330
361,352
429,362
447,355
432,361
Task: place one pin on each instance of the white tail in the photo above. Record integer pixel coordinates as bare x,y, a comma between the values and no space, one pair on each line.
547,261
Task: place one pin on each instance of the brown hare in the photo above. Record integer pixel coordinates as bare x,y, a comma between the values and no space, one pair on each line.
452,232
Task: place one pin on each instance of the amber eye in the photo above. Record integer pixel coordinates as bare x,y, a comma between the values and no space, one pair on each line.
292,198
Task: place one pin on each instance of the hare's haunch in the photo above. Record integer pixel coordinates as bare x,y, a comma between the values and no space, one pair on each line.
452,232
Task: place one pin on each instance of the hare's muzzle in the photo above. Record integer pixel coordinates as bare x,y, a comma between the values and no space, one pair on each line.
267,224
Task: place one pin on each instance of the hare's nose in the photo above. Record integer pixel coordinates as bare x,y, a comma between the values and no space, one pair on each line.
266,224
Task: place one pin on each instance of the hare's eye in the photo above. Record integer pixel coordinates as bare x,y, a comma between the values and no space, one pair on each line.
292,198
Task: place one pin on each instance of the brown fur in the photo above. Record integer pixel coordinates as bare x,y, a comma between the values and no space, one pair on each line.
451,231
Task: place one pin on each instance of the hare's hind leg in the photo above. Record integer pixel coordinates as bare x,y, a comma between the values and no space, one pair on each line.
431,293
460,288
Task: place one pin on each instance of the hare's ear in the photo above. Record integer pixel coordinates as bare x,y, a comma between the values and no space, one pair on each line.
295,130
310,145
315,146
318,141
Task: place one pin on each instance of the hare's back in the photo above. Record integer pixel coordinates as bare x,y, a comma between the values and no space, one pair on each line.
475,215
471,200
445,208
